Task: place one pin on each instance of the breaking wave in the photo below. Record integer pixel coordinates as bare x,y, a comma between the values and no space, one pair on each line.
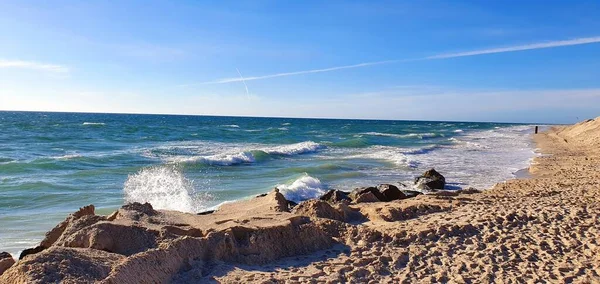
409,135
252,156
303,188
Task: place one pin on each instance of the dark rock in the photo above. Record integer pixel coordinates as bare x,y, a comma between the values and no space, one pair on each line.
357,192
390,192
6,261
206,212
262,195
29,251
145,208
334,196
291,204
430,180
411,193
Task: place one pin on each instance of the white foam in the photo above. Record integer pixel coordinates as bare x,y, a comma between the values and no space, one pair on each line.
228,159
67,157
294,149
386,153
165,187
231,125
224,154
286,124
94,123
482,158
419,135
303,188
458,130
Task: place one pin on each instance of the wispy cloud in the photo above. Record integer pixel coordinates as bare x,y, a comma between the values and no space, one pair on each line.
542,45
33,66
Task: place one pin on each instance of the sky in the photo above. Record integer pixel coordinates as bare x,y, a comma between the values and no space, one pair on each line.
505,61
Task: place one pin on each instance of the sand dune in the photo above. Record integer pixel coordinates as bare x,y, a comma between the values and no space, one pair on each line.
545,228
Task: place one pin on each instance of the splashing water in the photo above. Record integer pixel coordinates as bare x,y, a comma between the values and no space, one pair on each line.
164,187
303,188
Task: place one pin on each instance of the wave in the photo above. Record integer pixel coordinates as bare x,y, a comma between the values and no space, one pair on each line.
294,149
231,125
67,157
357,142
386,153
251,156
458,130
409,135
303,188
94,123
6,160
422,150
165,187
286,124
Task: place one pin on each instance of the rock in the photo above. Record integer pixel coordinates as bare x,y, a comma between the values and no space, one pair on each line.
145,208
6,261
291,205
430,180
357,192
318,208
334,196
390,192
206,212
29,251
367,197
411,193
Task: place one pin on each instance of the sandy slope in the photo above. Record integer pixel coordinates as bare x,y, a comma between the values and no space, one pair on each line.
541,229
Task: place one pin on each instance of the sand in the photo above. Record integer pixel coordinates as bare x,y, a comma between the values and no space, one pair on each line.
542,229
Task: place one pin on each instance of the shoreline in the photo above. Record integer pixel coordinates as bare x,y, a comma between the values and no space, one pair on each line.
520,230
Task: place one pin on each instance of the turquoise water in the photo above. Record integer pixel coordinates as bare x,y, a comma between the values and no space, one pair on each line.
53,163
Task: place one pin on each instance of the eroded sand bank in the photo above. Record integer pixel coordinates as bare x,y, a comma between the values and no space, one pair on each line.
545,228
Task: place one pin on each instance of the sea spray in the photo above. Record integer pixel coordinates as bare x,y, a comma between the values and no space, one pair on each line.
303,188
165,187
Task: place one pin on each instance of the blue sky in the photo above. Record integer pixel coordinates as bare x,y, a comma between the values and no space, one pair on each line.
525,61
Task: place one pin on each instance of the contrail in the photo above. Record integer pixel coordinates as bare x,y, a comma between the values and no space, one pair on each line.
244,81
231,80
542,45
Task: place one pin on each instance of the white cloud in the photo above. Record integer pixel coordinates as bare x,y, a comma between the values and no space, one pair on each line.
551,44
33,66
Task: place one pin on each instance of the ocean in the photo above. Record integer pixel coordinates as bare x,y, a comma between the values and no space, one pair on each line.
53,163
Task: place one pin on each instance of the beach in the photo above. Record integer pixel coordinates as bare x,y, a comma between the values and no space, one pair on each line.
529,230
